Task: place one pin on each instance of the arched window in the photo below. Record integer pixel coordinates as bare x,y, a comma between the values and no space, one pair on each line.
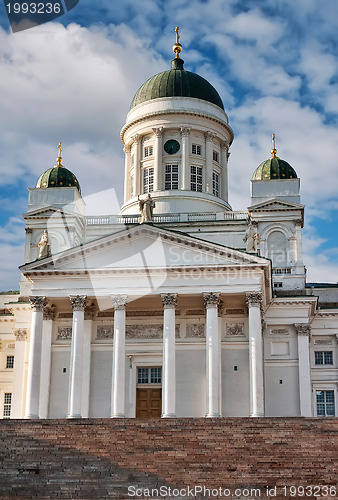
277,249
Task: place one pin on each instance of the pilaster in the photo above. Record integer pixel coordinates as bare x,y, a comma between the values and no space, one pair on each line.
305,387
18,406
127,150
119,356
213,348
169,356
158,169
185,169
224,174
256,362
209,137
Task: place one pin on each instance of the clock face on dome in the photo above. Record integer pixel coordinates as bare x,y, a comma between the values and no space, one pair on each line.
171,147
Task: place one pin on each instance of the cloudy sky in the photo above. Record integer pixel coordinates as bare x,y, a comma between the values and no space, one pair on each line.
274,63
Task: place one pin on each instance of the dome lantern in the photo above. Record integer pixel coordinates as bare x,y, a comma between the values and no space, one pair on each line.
274,168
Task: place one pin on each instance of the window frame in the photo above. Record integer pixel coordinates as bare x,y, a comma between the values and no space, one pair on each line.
325,402
148,151
9,361
197,148
198,174
148,180
7,405
151,375
171,174
215,184
323,358
215,156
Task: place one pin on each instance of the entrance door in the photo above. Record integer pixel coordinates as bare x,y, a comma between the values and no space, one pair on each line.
148,403
149,392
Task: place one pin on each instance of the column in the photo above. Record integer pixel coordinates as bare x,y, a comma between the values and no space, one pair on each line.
28,242
119,356
34,360
254,301
298,236
126,150
158,169
76,357
18,406
137,165
87,342
46,355
224,174
305,386
185,167
213,346
208,161
169,359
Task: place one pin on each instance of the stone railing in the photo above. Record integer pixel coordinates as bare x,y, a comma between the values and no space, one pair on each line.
101,220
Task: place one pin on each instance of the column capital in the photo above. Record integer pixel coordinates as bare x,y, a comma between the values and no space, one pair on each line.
254,299
209,136
78,302
303,329
224,145
38,303
169,300
28,230
298,223
158,132
127,149
20,334
211,299
49,313
185,131
119,302
137,138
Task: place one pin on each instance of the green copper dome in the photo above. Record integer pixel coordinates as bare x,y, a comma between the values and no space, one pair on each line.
177,82
274,168
58,176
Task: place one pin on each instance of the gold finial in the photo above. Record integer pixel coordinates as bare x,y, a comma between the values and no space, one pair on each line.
273,150
59,158
177,48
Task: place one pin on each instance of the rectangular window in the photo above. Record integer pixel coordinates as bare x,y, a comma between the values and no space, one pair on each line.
171,177
323,358
7,404
148,151
10,362
196,181
325,403
149,375
196,149
215,156
148,180
215,184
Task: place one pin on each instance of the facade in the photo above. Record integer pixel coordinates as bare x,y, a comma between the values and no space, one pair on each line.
197,310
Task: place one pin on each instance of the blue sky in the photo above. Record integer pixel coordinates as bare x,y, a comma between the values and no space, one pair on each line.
274,63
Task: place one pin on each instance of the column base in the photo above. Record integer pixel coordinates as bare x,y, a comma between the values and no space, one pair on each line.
31,417
256,415
168,415
212,415
74,416
118,415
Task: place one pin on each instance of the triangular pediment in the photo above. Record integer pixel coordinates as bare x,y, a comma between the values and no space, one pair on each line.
46,212
145,246
276,204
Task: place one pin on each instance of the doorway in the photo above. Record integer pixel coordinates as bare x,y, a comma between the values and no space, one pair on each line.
149,392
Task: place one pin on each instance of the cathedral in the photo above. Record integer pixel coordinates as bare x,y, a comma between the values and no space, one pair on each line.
177,306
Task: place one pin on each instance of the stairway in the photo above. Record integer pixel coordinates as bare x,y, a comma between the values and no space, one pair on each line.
231,457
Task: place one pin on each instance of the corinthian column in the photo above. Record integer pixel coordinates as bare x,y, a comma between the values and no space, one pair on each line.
137,165
224,173
254,301
213,348
34,361
126,150
119,356
169,366
185,170
303,333
158,177
208,160
76,357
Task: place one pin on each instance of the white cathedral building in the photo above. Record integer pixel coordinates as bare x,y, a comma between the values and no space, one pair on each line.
177,306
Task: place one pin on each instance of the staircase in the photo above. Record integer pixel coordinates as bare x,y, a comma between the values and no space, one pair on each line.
229,457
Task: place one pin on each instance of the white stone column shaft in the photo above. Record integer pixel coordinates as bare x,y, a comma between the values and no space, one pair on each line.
256,361
299,246
76,357
87,340
137,165
208,161
46,358
158,168
28,242
127,179
169,356
34,361
185,168
305,389
119,356
224,174
18,402
213,359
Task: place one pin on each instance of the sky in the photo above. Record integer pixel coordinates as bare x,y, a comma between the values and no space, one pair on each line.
274,64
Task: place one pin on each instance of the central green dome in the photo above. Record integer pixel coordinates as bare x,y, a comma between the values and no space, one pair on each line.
177,82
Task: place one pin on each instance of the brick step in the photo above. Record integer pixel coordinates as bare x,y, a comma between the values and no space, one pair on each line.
99,458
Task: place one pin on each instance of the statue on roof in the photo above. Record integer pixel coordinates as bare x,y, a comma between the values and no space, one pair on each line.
146,208
44,245
251,239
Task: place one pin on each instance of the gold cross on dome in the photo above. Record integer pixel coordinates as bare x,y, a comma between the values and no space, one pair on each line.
273,150
59,158
177,34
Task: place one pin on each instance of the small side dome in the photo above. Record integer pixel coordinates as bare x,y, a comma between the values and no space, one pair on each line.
58,176
274,168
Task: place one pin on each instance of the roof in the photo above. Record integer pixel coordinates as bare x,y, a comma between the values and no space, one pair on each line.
58,176
177,82
273,169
